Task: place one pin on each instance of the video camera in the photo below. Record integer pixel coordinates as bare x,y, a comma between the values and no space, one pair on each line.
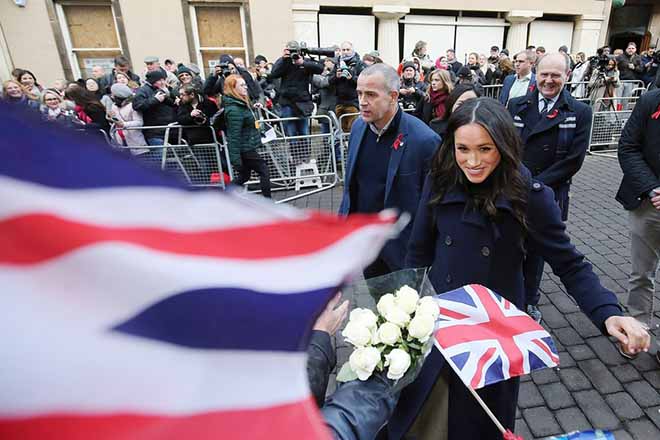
225,70
599,62
299,50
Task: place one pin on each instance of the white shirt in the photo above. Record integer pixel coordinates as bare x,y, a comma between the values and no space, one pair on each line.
520,86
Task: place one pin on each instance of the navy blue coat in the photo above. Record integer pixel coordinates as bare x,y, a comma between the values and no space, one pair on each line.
463,246
554,146
407,169
508,83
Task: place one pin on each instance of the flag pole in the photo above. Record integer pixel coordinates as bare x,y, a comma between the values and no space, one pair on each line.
488,411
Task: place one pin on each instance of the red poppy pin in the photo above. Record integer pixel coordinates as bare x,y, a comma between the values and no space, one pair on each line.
656,115
398,142
554,114
532,87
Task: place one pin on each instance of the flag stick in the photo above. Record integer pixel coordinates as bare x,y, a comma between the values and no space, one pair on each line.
488,411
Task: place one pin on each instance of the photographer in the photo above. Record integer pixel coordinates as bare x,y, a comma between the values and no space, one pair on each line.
327,92
294,97
650,63
214,84
345,81
411,90
604,83
478,76
154,101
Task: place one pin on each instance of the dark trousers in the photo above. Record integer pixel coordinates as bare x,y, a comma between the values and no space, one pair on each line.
252,161
533,265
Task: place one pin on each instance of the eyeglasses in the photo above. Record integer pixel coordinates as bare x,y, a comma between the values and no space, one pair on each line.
51,99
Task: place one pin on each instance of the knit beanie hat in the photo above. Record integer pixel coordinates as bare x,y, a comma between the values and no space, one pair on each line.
155,75
120,91
184,69
410,64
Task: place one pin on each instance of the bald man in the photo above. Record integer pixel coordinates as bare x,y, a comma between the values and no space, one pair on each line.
554,128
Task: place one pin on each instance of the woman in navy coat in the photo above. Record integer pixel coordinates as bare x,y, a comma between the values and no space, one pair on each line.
479,213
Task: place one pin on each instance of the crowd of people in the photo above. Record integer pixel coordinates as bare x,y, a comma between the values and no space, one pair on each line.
486,183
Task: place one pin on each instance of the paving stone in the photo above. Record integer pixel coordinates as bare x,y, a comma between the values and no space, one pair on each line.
654,378
553,317
643,429
596,410
622,435
654,414
568,336
624,406
522,429
625,373
556,396
582,325
643,393
605,350
574,379
600,376
566,360
529,395
541,422
581,352
645,362
572,419
546,375
563,302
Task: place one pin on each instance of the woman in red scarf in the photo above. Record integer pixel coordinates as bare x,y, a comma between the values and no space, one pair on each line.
433,105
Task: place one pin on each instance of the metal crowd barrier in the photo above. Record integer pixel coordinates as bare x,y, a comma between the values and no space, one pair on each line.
492,90
607,124
298,165
344,137
199,165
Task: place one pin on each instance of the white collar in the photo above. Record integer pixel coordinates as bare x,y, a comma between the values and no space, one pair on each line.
525,78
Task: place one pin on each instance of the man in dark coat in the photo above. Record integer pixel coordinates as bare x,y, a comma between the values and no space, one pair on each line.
214,84
630,68
554,128
344,79
295,100
121,65
519,83
388,157
639,193
155,102
454,64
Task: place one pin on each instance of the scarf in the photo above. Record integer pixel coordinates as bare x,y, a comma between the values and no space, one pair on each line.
438,99
54,114
80,112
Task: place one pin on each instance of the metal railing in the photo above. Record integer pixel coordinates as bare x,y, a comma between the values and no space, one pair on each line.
607,124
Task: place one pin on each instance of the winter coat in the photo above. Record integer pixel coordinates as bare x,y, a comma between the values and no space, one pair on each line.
131,119
203,134
410,101
625,72
508,84
463,246
153,111
242,134
327,92
639,151
407,168
296,79
346,87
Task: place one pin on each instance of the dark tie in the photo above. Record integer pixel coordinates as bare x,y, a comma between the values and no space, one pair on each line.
545,109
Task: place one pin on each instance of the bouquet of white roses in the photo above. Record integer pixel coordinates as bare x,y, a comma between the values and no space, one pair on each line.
396,338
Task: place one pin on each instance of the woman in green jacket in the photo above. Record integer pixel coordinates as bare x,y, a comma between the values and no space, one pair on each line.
243,137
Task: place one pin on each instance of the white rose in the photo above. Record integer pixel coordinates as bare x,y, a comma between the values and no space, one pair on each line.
407,298
363,361
385,303
389,333
356,334
397,316
421,327
428,306
364,317
398,362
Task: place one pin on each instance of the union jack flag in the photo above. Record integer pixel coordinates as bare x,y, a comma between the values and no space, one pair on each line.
486,339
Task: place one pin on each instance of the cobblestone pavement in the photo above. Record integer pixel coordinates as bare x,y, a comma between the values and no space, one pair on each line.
595,387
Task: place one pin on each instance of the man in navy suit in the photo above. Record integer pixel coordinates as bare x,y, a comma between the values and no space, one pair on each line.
523,81
554,128
389,155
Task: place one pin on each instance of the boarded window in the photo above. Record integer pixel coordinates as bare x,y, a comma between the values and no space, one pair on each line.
218,30
90,35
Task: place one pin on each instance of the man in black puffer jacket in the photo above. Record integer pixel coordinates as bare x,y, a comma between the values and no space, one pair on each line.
214,84
639,193
155,102
345,78
295,100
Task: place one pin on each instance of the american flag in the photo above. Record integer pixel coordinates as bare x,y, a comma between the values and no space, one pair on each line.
486,339
134,308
